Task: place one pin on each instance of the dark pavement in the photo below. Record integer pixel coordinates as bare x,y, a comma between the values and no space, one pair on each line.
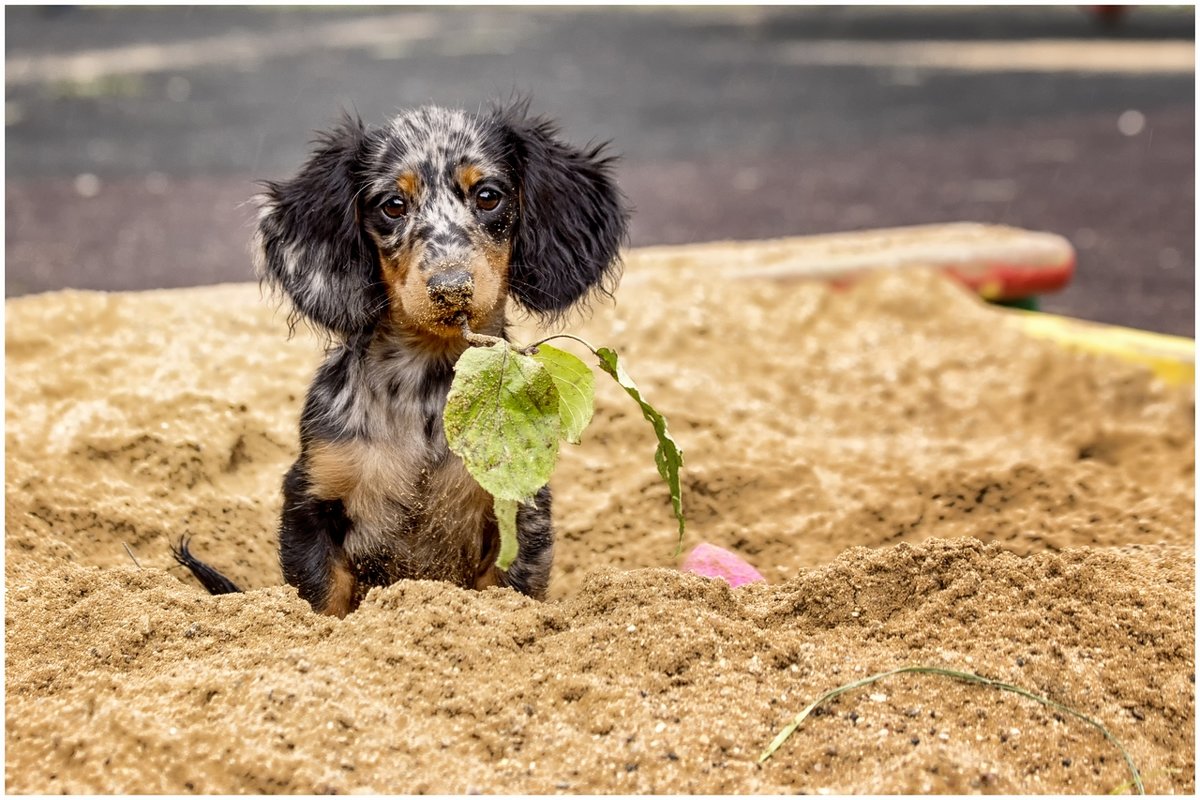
135,135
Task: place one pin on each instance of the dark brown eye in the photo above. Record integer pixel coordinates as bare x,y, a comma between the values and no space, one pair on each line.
395,207
488,199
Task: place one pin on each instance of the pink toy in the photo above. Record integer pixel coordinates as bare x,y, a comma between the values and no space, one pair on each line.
717,562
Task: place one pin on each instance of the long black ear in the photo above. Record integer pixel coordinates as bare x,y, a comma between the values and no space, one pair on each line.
310,242
572,222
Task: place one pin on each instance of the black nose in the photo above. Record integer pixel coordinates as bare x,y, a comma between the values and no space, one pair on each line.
451,288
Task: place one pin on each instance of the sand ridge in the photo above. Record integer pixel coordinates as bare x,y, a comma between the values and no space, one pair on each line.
918,480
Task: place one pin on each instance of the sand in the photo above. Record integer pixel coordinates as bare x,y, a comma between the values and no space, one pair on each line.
919,482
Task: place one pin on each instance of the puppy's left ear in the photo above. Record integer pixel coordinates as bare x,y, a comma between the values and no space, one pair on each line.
573,218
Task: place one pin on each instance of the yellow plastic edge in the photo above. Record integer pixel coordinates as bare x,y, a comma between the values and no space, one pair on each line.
1172,358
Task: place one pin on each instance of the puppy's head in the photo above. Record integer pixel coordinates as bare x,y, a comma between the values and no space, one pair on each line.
436,218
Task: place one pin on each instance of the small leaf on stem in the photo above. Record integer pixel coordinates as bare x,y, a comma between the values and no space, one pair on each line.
576,389
506,520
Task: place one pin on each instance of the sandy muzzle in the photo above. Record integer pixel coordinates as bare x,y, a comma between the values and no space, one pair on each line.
919,482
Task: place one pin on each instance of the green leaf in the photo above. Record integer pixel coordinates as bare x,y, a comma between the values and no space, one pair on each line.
576,389
668,457
506,519
502,420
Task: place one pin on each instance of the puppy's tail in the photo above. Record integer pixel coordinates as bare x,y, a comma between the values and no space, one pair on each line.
215,582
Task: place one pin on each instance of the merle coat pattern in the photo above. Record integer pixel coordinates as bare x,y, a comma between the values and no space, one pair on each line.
388,239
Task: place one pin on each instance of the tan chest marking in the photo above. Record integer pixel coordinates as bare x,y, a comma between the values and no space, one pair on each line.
377,482
365,476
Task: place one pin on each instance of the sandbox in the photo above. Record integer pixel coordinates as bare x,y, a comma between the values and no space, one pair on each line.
918,480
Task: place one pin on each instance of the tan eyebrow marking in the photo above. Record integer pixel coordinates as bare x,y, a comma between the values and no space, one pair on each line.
467,176
408,183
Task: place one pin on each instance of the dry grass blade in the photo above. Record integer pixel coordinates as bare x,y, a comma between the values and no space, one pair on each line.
969,677
132,557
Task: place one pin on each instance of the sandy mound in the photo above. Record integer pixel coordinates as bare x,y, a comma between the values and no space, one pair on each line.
919,481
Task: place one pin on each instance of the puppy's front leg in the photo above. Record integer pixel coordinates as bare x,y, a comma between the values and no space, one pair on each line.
311,534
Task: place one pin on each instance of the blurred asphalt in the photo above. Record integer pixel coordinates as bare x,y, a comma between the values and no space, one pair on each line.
135,135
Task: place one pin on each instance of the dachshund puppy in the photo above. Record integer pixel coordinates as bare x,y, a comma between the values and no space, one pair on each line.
388,239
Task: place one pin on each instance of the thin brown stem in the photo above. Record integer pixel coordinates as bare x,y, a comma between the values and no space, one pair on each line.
533,347
477,339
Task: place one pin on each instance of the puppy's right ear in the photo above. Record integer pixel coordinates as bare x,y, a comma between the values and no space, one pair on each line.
310,242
